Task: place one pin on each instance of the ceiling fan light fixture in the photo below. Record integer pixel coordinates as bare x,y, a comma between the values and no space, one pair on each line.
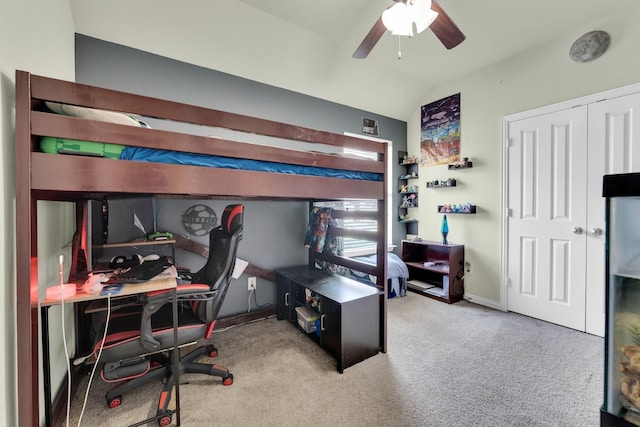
425,20
420,12
435,18
400,17
396,20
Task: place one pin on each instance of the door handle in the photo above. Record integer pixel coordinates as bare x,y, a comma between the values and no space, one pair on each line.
286,299
596,231
322,322
577,230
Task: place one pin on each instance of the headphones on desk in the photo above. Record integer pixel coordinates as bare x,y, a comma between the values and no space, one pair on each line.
121,261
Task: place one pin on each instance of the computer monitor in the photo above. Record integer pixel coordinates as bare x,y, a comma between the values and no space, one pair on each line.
93,232
130,218
115,220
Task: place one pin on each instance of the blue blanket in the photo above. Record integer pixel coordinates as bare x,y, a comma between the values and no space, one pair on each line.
176,157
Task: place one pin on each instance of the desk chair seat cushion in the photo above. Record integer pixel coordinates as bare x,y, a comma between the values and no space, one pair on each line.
123,337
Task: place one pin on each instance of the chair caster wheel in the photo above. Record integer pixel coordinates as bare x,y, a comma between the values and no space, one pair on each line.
164,421
227,380
213,352
114,402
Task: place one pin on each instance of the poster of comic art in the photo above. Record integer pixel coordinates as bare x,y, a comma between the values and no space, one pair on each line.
440,131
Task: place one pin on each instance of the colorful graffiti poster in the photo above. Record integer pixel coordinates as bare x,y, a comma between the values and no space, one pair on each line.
440,131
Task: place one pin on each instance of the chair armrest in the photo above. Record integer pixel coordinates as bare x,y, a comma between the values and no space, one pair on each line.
153,301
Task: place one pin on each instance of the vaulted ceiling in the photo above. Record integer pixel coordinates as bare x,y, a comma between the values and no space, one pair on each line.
306,45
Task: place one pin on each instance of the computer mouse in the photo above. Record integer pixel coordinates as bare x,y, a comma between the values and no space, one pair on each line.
151,257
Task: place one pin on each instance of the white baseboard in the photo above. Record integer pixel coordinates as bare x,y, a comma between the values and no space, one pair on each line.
483,301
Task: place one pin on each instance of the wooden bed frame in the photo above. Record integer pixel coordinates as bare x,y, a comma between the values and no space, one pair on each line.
42,176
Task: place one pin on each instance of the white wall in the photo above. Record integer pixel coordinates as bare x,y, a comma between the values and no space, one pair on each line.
35,36
536,78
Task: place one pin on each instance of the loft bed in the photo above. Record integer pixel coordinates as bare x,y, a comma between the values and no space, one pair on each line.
75,178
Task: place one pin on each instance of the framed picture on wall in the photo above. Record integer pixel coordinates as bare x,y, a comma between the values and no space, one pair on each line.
369,126
440,131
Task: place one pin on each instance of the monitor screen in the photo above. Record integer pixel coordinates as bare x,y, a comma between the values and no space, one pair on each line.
93,232
130,219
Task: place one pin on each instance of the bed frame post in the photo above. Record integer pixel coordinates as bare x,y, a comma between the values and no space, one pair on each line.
382,249
26,262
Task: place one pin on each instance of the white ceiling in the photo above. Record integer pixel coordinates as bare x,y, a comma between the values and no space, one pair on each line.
306,45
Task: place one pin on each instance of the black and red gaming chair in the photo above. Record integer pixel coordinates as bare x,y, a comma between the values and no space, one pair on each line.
132,356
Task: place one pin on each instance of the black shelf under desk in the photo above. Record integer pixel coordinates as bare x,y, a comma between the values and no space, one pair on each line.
349,311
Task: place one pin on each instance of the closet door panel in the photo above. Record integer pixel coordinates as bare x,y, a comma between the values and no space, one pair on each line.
546,196
614,147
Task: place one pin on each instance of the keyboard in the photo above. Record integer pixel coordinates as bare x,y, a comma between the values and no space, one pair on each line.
141,273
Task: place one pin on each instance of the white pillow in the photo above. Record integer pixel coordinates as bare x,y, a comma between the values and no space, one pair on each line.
92,114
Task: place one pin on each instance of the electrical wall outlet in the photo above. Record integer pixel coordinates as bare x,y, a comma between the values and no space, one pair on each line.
252,283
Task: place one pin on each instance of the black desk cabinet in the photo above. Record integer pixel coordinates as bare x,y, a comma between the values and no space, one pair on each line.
349,327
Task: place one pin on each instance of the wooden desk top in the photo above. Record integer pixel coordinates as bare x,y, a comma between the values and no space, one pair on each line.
128,289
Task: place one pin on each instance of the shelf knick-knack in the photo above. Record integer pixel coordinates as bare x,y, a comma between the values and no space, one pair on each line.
444,229
463,164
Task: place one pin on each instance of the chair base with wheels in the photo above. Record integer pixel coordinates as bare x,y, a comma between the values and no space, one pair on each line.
139,345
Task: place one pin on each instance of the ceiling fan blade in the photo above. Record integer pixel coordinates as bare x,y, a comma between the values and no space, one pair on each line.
370,40
445,29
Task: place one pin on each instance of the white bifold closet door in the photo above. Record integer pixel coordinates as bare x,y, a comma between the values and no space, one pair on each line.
556,218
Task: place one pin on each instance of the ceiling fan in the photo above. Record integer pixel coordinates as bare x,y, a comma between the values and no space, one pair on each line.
442,26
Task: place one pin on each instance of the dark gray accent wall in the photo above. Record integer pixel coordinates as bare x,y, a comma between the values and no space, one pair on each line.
274,231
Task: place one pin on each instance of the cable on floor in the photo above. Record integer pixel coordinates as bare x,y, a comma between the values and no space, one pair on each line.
93,371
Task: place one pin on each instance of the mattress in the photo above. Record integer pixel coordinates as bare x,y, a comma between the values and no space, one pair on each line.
114,151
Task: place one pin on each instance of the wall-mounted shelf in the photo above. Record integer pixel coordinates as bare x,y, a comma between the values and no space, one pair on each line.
467,209
465,163
415,176
408,192
408,220
404,159
451,182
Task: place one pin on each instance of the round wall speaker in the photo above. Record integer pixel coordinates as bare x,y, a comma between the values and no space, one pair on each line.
590,46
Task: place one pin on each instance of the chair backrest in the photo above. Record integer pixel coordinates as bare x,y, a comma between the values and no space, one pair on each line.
223,247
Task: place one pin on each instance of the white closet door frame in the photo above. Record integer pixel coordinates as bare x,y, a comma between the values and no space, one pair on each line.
585,100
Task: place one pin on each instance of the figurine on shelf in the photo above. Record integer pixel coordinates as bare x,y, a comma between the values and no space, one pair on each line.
467,208
464,163
410,160
403,188
444,229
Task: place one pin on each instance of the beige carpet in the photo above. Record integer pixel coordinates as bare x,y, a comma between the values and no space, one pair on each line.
447,365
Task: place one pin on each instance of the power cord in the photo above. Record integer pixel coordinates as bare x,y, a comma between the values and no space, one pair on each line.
255,299
249,300
253,293
93,371
66,353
